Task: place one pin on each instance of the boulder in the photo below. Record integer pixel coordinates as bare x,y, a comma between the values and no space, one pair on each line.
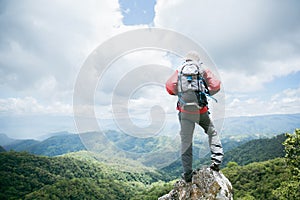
206,184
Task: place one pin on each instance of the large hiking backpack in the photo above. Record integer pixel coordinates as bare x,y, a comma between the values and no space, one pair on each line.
192,88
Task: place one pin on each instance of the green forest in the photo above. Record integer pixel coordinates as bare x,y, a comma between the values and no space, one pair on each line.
27,176
79,176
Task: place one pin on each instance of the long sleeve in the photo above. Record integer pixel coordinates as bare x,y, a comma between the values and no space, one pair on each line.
214,84
171,84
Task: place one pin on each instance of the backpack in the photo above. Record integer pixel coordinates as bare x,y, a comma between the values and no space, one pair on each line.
192,88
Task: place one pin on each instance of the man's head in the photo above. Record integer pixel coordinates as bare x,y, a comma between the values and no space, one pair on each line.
193,56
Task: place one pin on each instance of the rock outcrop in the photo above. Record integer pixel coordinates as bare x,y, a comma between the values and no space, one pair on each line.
206,184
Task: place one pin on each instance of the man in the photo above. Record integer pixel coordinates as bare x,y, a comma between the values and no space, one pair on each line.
192,85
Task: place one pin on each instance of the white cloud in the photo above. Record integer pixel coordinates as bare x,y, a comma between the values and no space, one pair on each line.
136,82
42,47
243,81
215,23
128,73
30,106
41,39
287,101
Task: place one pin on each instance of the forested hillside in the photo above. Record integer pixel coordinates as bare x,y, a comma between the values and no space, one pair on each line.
247,152
274,179
26,176
257,180
256,150
80,176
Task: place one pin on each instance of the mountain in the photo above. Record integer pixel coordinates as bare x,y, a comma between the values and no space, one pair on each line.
15,144
52,134
117,147
252,127
260,126
257,150
2,149
259,180
27,176
53,146
21,145
110,146
243,152
79,175
159,151
5,140
58,145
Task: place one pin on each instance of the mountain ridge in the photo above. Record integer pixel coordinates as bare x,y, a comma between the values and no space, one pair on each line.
256,150
243,126
53,146
260,126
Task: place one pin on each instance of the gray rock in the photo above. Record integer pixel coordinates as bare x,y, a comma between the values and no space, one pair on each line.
206,184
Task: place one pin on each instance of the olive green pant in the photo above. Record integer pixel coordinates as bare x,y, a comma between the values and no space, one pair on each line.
187,123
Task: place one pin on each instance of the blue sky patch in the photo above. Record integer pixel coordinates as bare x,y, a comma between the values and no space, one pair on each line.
281,83
136,12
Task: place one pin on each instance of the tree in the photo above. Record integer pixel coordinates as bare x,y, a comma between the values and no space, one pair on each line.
231,164
292,149
290,189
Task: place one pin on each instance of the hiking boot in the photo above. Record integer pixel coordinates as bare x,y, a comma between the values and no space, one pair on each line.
187,177
215,167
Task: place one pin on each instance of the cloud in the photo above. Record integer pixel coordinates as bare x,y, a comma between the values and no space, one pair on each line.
43,45
244,82
51,38
135,83
31,106
249,41
130,69
286,101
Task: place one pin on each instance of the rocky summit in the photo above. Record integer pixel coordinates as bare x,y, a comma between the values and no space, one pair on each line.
206,184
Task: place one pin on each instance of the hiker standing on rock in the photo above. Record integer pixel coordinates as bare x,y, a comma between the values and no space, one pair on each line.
193,84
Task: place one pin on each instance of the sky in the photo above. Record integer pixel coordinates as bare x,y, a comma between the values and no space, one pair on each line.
255,46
